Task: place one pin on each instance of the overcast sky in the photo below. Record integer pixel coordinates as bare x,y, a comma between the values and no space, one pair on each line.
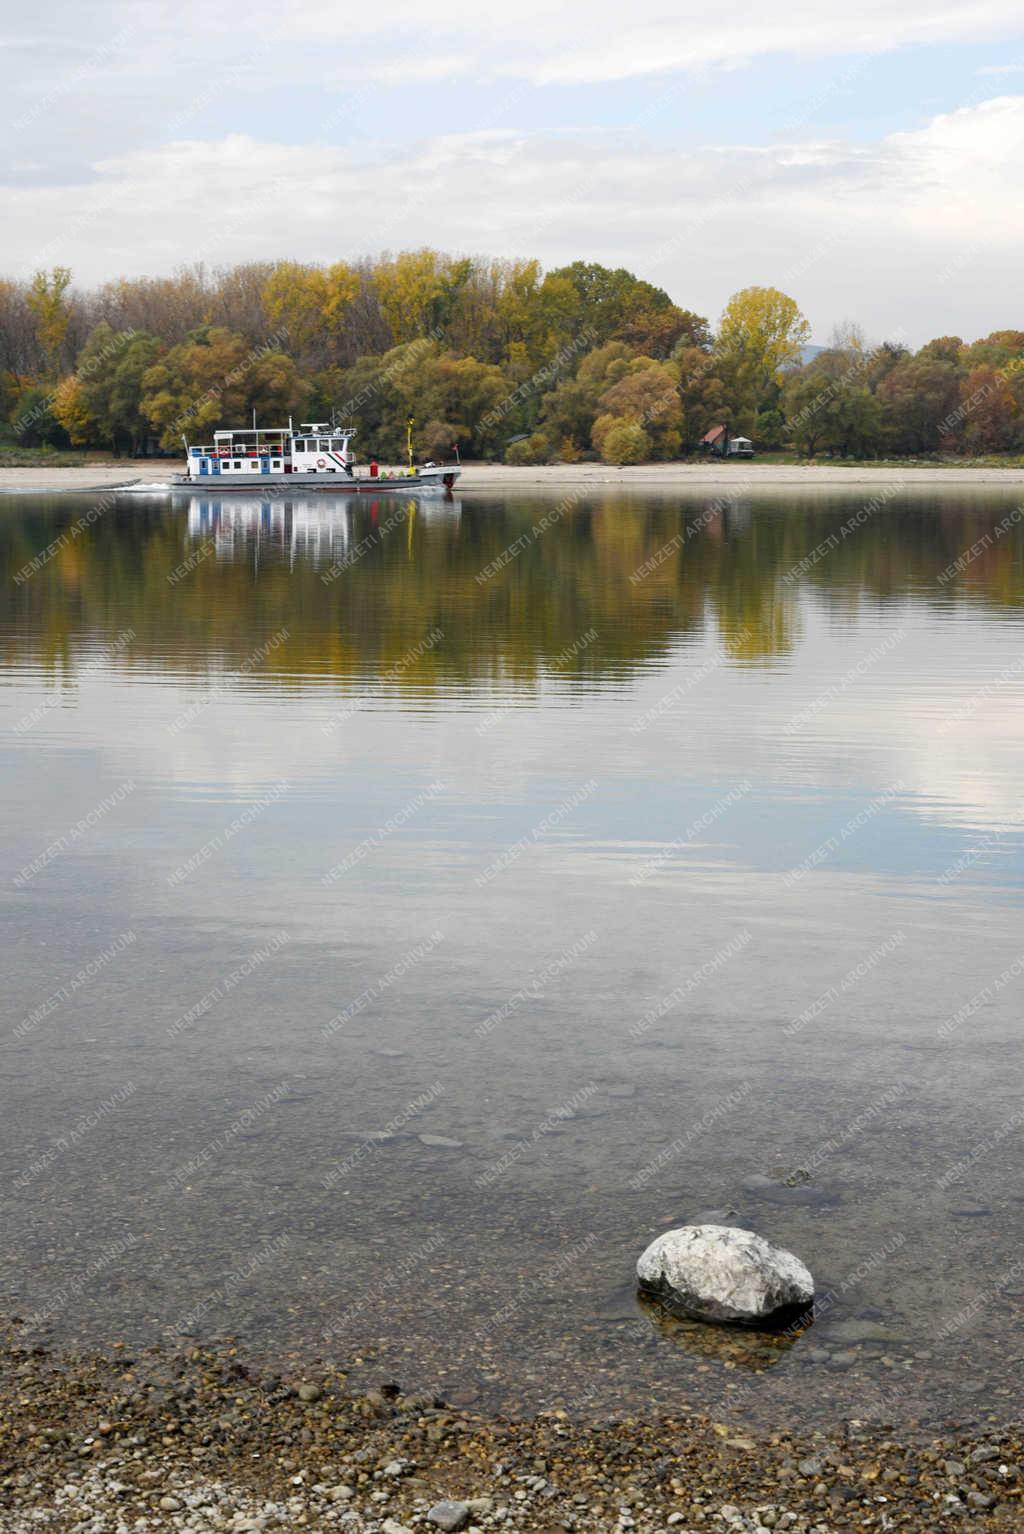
864,157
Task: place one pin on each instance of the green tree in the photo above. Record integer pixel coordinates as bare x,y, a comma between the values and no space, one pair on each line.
33,421
919,398
704,400
828,404
104,406
805,396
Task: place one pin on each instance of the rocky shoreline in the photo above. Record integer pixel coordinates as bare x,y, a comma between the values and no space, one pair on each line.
203,1440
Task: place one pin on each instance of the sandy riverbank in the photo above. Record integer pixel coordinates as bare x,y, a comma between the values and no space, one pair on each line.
200,1441
560,477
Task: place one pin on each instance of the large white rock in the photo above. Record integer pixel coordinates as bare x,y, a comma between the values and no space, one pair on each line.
720,1273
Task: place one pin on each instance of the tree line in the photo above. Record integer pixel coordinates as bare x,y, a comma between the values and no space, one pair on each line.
498,358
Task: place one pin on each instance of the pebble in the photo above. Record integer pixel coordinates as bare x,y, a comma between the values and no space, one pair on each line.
449,1516
200,1442
310,1393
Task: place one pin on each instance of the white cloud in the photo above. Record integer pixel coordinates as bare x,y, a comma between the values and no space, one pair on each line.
918,232
593,40
428,66
574,41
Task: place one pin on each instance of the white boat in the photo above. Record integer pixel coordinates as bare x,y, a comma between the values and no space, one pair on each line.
315,457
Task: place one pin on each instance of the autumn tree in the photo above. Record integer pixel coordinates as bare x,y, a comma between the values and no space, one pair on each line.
410,286
620,440
68,408
308,305
762,332
216,379
990,410
647,395
567,412
48,303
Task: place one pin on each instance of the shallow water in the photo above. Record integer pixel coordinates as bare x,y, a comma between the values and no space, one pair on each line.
662,852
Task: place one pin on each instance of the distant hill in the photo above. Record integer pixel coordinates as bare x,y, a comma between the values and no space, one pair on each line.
809,352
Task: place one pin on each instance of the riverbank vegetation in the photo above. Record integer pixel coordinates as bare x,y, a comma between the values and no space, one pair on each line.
497,358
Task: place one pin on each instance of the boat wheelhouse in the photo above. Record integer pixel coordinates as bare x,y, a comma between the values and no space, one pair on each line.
317,456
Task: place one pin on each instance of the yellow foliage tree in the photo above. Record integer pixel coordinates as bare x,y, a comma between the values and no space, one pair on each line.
69,409
307,301
408,288
620,440
46,301
762,331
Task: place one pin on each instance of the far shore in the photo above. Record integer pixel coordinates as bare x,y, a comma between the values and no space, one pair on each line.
742,476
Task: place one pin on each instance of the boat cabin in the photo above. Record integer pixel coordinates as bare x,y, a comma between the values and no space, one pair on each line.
316,448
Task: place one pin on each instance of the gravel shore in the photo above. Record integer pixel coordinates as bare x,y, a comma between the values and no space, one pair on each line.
201,1440
494,476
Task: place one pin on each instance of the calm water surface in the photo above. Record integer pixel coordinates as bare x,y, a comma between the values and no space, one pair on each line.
410,911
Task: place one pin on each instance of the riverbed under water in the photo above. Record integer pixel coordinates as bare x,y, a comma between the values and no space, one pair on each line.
413,909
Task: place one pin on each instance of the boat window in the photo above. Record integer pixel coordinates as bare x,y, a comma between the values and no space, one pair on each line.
236,464
275,463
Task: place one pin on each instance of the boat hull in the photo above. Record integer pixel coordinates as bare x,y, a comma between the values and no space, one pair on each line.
345,484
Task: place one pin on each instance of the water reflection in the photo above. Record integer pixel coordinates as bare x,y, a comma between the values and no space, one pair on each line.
318,529
512,584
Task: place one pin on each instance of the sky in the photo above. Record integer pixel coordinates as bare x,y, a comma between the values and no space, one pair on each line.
862,157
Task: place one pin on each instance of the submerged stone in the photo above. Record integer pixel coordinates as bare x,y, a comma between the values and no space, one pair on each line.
724,1274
